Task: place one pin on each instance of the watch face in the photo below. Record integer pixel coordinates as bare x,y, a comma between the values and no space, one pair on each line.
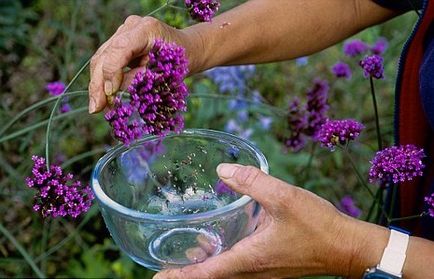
378,274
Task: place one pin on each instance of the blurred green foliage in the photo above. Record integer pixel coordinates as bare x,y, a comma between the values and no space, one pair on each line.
46,40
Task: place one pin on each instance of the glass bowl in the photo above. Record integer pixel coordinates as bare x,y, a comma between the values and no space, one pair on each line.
163,203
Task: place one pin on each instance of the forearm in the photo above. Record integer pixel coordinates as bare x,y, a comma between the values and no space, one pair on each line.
373,239
261,31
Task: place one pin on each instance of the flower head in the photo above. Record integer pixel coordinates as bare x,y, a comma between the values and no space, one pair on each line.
126,128
157,96
231,79
429,200
348,206
397,164
334,132
372,66
317,106
355,47
342,70
202,10
58,193
64,108
380,46
297,123
222,189
55,88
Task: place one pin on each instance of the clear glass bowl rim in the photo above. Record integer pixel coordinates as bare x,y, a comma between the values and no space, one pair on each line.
105,200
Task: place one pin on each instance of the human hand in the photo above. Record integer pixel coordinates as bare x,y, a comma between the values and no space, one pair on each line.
129,46
302,234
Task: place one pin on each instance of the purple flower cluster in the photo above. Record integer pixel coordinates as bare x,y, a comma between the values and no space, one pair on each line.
379,46
202,10
297,122
334,132
348,206
222,189
125,127
342,70
306,120
372,66
397,164
355,47
157,96
58,193
55,88
316,106
430,202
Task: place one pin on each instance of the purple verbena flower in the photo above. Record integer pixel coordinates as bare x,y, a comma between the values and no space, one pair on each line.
58,193
297,123
55,88
348,206
222,189
64,108
379,46
126,128
157,96
202,10
334,132
316,106
354,48
372,66
397,164
429,200
342,70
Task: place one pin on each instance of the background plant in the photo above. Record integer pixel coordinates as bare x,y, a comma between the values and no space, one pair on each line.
42,42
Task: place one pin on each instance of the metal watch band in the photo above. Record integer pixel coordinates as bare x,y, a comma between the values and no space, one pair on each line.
395,253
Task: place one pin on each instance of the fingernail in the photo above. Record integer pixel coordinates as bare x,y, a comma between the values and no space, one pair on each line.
108,87
226,170
92,105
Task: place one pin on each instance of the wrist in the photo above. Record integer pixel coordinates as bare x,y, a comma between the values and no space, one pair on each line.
369,242
194,44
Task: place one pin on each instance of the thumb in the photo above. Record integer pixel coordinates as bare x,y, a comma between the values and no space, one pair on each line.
270,192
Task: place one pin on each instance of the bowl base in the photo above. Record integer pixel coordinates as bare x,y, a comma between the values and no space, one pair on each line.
183,246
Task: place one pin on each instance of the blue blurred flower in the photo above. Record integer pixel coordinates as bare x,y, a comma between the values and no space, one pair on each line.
302,61
265,122
231,79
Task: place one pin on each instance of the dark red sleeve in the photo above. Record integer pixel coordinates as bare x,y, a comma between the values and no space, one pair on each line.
401,5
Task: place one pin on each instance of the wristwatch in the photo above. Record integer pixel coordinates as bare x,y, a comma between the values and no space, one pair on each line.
392,261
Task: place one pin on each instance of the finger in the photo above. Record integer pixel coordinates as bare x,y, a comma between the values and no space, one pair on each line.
226,265
196,254
123,49
207,245
97,99
272,193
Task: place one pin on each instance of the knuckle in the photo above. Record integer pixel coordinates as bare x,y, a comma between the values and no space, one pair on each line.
247,176
133,19
150,21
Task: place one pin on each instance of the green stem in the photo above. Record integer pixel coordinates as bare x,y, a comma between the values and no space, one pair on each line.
36,106
40,124
23,251
56,104
70,236
377,119
392,204
407,218
372,207
308,167
359,176
82,156
159,8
